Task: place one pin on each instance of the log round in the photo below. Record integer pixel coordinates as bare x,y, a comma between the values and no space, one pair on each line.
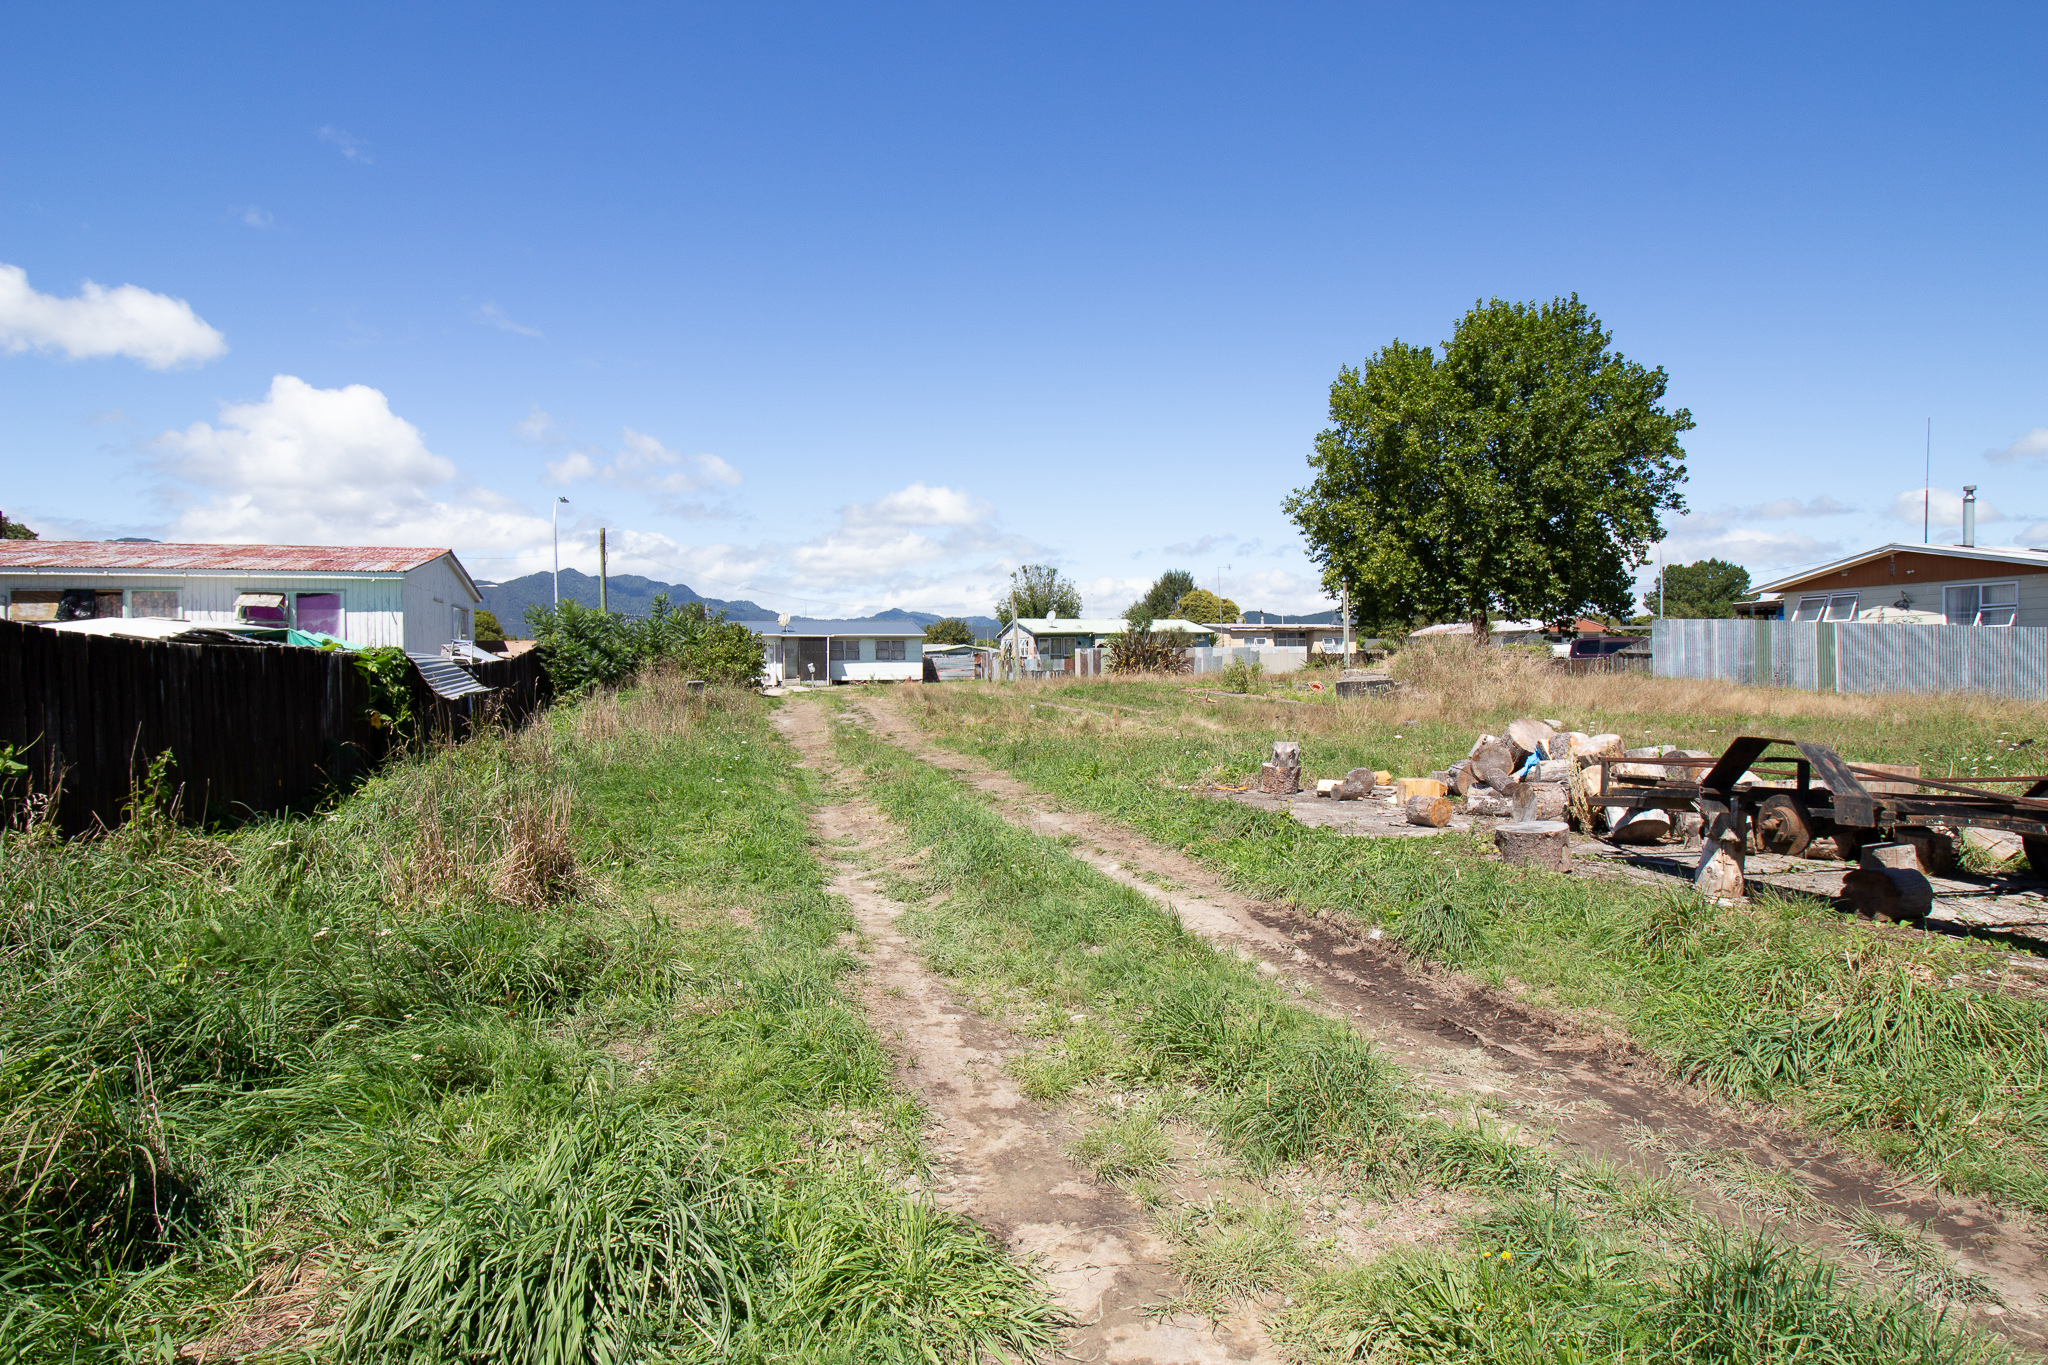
1719,875
1535,843
1628,826
1539,800
1487,801
1783,826
1936,851
1432,811
1530,737
1494,765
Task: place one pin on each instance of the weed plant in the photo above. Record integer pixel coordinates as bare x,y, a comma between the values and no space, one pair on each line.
533,1049
1900,1044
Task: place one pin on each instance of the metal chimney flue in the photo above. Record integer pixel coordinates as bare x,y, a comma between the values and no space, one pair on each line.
1969,514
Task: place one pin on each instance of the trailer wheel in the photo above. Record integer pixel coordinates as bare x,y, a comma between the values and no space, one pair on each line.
1783,826
2036,848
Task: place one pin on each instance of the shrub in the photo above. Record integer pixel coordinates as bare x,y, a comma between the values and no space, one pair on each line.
585,649
1149,651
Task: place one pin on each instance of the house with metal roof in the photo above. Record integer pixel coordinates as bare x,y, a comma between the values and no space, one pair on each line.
1966,585
416,598
805,649
1058,637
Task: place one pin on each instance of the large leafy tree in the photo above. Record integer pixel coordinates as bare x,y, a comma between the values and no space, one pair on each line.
1520,474
1038,590
1201,605
1705,588
1166,591
949,630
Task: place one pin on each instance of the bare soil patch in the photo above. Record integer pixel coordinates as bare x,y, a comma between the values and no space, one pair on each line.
1001,1158
1597,1095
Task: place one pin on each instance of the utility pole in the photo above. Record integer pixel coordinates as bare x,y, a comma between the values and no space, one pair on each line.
604,601
1344,609
558,549
1927,483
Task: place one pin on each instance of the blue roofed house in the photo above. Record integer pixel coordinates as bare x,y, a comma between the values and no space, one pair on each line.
803,649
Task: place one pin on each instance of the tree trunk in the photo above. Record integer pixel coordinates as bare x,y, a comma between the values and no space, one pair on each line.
1482,632
1487,801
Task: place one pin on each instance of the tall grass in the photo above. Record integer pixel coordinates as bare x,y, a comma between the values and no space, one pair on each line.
538,1044
1902,1045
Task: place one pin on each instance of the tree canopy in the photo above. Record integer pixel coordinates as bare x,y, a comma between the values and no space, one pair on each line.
488,628
1038,590
1519,475
1202,605
14,530
1703,589
1163,596
950,630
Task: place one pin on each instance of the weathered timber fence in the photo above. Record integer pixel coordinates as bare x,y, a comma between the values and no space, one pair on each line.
1842,656
247,728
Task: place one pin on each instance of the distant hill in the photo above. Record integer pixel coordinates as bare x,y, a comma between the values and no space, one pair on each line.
1274,618
632,595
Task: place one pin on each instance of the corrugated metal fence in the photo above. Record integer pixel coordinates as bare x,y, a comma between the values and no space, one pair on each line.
1841,656
248,727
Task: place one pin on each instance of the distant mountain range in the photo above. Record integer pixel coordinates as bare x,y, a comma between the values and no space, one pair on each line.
632,595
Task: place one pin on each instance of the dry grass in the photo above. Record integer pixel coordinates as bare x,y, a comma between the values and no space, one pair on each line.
507,836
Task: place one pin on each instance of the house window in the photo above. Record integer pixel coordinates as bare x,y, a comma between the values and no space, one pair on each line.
1060,646
1839,607
260,608
1981,604
33,604
157,602
1290,641
319,612
889,651
845,649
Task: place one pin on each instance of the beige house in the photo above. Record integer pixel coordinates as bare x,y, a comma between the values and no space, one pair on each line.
1970,585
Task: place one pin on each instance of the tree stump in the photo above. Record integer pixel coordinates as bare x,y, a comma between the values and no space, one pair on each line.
1535,843
1282,776
1538,801
1722,844
1487,801
1431,811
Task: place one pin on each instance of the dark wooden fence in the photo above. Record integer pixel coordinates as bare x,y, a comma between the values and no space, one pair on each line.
248,728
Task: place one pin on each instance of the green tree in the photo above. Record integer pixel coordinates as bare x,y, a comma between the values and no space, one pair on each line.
1703,589
1202,605
1164,595
1520,475
950,630
14,530
488,631
585,648
1038,590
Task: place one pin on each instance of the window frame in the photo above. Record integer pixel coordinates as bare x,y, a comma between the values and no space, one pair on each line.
176,595
891,652
836,650
2011,609
340,607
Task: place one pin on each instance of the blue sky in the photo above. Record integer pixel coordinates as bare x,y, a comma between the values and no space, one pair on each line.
845,307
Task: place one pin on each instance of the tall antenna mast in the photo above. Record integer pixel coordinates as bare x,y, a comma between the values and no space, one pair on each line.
1927,483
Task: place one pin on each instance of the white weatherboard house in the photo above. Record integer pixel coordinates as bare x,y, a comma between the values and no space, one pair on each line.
1057,637
418,599
806,650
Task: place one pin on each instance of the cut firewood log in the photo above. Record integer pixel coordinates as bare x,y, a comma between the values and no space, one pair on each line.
1538,801
1626,826
1527,737
1596,746
1329,786
1495,765
1551,770
1481,743
1487,801
1536,843
1432,811
1358,784
1282,776
1936,851
1462,778
1719,874
1406,787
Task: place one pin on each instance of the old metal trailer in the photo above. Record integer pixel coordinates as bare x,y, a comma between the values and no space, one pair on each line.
1746,789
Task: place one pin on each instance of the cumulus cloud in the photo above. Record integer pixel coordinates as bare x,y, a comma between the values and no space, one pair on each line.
1943,508
253,216
2031,445
918,505
156,329
914,526
329,466
495,316
641,464
345,142
1781,509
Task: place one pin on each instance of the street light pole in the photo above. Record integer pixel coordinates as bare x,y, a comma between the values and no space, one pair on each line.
558,549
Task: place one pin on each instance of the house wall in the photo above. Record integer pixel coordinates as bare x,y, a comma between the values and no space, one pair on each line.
782,661
1912,571
416,611
1929,594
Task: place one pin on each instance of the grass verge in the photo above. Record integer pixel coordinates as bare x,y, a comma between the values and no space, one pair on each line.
533,1049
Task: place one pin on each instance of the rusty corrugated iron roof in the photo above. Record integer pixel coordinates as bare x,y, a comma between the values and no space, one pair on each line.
108,554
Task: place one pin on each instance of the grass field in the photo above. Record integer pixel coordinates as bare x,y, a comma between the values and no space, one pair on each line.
1897,1042
1561,1263
534,1050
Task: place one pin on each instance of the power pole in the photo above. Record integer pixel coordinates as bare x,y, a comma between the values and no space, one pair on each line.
1344,607
604,601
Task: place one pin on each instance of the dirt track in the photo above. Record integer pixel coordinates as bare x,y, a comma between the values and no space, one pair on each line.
1000,1158
1599,1098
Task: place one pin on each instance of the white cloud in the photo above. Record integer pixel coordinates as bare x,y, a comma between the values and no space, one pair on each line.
640,465
347,143
1782,508
156,329
330,466
495,316
1943,508
2031,445
253,216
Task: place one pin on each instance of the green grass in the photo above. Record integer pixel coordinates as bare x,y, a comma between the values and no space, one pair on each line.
1878,1037
532,1050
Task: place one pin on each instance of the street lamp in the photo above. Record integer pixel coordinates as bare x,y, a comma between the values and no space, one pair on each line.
558,549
